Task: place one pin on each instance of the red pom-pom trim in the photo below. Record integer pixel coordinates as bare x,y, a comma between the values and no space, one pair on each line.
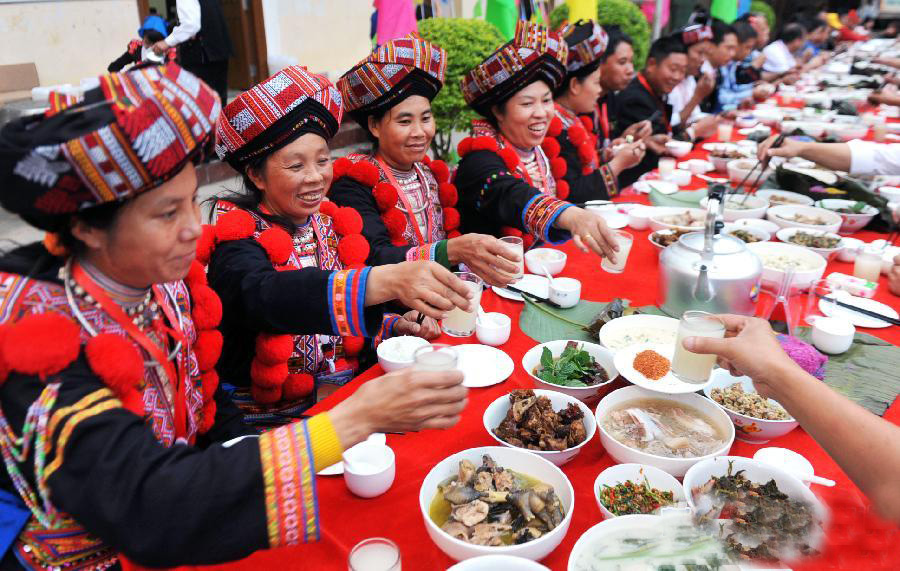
234,225
297,386
277,243
328,208
510,158
551,147
273,349
451,219
340,167
209,417
395,223
116,361
587,122
555,128
207,307
577,135
440,170
485,144
347,221
353,249
464,147
447,194
208,348
510,231
209,382
427,160
265,395
206,243
364,173
133,401
353,345
558,167
268,376
386,196
527,241
454,234
41,344
4,366
586,153
196,275
562,189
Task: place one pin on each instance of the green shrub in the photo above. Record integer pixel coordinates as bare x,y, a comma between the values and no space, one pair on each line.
765,9
623,13
467,43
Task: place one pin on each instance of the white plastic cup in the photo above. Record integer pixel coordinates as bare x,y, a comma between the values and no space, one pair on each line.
369,469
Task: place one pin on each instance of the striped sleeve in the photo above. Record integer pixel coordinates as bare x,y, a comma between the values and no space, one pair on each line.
346,301
290,456
64,420
539,215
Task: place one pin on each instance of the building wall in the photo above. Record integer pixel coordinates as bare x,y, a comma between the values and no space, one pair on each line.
326,36
68,40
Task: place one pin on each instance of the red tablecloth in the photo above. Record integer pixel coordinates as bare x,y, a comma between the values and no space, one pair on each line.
857,539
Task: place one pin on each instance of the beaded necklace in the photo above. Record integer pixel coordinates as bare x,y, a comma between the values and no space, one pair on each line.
15,450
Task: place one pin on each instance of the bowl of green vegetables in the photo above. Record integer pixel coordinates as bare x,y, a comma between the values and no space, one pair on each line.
577,368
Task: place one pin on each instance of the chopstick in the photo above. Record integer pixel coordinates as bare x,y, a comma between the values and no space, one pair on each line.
533,297
775,144
864,311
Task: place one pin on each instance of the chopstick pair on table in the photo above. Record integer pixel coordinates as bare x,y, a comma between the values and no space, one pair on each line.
762,169
868,312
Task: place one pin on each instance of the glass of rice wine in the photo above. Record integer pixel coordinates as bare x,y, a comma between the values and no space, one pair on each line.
459,323
693,367
435,357
375,554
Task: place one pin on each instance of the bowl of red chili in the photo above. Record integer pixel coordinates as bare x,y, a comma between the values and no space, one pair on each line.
626,489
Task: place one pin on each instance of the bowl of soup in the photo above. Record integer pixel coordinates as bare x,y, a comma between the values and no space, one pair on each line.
669,432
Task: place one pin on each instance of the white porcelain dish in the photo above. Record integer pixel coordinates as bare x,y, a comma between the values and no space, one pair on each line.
742,206
785,235
602,355
747,428
811,264
655,478
638,330
784,215
850,223
483,366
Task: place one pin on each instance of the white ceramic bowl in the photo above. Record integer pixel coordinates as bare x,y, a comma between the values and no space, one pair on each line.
850,223
680,177
770,193
697,166
639,217
738,170
657,223
679,148
784,214
602,355
758,472
846,131
493,329
674,466
754,206
812,128
514,459
785,235
390,363
565,292
553,260
369,469
656,245
656,478
760,234
494,562
892,193
496,412
802,279
850,247
747,428
614,333
764,225
768,115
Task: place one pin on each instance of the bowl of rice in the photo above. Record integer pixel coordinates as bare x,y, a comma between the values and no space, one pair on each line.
396,353
777,257
756,419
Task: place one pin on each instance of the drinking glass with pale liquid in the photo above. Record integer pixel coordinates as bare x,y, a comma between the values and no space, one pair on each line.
693,367
665,165
517,246
459,323
867,265
375,554
624,240
435,357
724,130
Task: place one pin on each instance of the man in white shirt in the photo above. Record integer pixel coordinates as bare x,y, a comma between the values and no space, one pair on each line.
204,45
686,97
857,157
780,53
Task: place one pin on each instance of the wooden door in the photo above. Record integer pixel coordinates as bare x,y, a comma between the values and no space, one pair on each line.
245,25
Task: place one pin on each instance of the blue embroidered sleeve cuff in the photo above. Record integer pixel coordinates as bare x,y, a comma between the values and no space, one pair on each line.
346,302
539,215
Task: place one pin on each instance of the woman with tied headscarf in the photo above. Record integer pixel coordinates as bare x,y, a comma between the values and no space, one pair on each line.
290,268
571,134
508,185
406,200
117,442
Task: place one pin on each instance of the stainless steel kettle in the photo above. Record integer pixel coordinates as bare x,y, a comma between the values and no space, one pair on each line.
709,271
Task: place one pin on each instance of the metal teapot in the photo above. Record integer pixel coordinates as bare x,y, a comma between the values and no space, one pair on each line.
709,271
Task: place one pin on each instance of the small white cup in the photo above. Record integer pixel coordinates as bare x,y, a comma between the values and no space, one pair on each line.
565,291
832,335
639,218
369,469
493,329
787,460
849,250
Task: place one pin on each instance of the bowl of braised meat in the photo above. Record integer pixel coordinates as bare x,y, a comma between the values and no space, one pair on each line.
550,424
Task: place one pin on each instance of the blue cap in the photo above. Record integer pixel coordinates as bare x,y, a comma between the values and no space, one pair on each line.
154,22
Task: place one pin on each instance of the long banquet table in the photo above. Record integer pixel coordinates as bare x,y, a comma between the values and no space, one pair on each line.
856,538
